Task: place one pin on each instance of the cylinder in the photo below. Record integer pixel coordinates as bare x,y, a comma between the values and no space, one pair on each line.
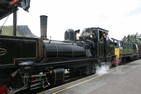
43,23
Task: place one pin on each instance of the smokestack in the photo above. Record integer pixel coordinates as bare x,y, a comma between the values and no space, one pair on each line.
43,22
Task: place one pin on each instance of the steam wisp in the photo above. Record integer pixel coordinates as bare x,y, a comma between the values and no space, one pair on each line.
102,70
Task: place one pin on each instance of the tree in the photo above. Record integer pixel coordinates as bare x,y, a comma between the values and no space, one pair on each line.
124,38
128,38
134,38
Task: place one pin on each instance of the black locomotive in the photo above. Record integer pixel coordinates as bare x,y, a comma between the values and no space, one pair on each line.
31,63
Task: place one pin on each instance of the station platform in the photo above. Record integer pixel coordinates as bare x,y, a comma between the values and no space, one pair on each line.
124,79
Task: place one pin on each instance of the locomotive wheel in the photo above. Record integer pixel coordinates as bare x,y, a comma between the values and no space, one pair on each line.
86,71
129,59
124,61
93,69
99,63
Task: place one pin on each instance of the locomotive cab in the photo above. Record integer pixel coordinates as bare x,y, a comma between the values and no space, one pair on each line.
94,33
92,37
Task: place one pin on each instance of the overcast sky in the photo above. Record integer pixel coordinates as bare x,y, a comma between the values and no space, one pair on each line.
120,17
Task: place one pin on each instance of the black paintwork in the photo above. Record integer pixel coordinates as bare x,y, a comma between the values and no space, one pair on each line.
63,49
18,49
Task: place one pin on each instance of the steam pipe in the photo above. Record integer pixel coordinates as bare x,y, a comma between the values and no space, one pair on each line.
43,23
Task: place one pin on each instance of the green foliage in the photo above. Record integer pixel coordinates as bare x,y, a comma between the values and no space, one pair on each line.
124,38
8,30
134,38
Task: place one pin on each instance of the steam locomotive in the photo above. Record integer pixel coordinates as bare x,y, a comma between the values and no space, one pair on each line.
31,63
39,62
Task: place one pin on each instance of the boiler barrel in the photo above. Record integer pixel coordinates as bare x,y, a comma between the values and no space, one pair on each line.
62,49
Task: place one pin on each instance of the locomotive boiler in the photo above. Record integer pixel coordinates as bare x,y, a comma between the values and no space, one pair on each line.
31,63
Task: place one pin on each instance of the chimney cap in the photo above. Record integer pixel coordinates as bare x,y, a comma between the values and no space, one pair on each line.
44,16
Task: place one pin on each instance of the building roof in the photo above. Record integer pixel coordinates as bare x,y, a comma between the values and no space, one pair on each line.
5,8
